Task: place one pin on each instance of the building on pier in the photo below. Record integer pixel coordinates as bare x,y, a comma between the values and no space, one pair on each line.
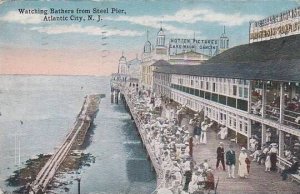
179,51
253,89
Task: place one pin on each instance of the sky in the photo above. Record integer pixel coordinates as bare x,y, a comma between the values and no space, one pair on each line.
30,45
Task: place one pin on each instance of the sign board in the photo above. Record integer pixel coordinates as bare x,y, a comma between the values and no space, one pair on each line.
208,47
283,24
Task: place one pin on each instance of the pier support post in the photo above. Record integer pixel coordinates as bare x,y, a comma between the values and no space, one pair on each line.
112,97
117,97
78,186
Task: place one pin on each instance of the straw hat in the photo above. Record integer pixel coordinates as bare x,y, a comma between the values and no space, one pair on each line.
243,149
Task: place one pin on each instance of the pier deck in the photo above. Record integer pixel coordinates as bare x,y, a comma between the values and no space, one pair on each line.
73,140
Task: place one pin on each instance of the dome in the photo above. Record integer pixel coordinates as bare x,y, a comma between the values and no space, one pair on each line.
223,36
122,58
160,32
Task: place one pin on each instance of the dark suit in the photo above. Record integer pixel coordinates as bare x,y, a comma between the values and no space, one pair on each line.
230,157
220,157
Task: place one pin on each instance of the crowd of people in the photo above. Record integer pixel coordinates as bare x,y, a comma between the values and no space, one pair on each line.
172,145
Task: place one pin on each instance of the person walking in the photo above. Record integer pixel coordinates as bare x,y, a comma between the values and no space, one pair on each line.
243,171
230,161
220,156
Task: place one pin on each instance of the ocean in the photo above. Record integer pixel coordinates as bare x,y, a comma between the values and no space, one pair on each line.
47,106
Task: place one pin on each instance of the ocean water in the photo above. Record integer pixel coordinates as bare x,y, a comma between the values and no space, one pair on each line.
47,106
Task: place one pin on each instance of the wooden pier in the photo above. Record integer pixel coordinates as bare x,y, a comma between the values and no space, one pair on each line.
73,140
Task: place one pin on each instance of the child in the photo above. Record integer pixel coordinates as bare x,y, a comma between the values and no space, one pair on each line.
268,162
205,165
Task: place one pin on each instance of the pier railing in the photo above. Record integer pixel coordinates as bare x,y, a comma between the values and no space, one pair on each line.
140,126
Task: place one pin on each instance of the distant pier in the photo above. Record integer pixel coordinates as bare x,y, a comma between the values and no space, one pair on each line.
73,141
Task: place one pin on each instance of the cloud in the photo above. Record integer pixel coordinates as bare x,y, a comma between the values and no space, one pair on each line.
188,16
16,17
153,22
90,30
191,16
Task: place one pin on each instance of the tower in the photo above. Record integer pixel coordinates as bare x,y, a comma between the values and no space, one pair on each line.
161,50
122,69
147,45
160,39
224,41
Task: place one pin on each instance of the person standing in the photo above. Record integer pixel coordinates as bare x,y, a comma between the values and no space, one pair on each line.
230,162
273,156
243,171
210,180
203,138
191,146
268,163
220,156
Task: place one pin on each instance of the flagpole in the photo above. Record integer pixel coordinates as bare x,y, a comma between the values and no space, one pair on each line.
15,148
19,149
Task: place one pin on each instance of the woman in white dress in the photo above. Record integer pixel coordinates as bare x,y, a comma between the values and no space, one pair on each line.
203,138
223,132
243,172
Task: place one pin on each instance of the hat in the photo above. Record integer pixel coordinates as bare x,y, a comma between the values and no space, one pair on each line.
274,144
221,143
243,149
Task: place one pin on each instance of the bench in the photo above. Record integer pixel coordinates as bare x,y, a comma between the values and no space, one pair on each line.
295,177
283,164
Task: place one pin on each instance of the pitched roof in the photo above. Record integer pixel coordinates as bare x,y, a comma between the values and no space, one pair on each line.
277,59
161,63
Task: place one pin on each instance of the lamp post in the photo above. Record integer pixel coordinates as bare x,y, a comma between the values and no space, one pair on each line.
78,180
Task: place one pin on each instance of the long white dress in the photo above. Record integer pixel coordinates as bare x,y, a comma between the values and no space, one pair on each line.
223,132
203,138
242,172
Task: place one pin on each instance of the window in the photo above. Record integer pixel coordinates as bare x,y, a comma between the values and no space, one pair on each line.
214,87
207,95
234,90
222,99
241,92
207,86
245,92
242,105
231,102
214,97
197,92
